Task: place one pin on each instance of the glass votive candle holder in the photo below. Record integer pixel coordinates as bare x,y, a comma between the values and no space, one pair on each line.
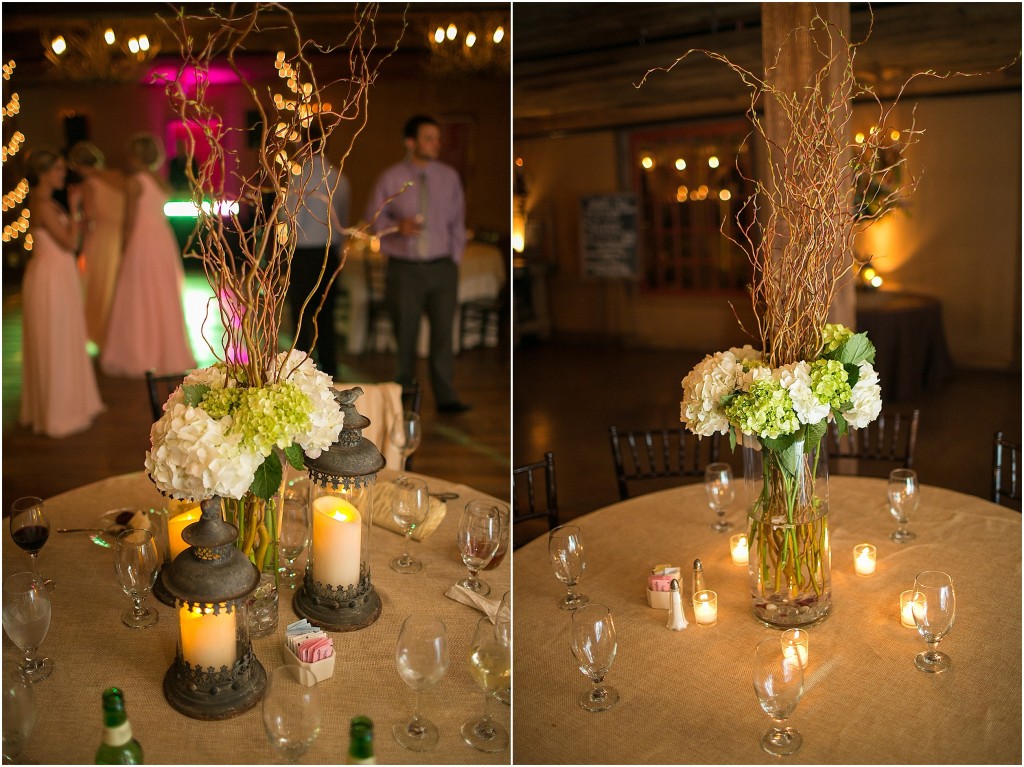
864,559
738,549
907,609
796,644
705,608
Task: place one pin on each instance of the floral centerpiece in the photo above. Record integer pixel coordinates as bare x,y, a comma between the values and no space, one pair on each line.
229,430
798,230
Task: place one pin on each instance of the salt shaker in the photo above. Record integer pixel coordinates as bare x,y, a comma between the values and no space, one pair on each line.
676,619
698,577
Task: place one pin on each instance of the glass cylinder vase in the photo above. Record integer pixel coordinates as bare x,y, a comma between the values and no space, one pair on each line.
789,559
258,523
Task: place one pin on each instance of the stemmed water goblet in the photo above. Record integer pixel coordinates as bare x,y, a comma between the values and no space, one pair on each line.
718,486
136,561
406,434
594,644
409,510
503,629
934,606
294,532
478,537
30,529
26,619
779,685
565,550
422,659
904,495
291,710
490,663
19,714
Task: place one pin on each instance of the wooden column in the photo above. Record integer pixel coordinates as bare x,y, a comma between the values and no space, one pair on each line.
799,61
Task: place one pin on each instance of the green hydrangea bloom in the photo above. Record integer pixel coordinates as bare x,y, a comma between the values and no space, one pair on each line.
766,410
272,415
833,336
829,383
221,402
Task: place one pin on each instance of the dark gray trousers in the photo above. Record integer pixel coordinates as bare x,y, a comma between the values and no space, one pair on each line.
415,287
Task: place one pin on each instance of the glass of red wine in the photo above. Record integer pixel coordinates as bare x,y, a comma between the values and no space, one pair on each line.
30,529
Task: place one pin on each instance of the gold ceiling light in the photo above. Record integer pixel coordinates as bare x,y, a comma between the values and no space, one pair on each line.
82,51
470,43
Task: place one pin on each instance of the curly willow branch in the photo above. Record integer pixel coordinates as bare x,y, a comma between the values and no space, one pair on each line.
248,262
805,219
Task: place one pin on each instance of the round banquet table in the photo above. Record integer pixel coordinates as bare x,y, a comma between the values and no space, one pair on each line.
92,650
687,697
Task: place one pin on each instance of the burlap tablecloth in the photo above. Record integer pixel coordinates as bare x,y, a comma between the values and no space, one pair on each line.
92,650
688,697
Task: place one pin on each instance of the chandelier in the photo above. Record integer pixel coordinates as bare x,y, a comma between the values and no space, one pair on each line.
470,43
107,52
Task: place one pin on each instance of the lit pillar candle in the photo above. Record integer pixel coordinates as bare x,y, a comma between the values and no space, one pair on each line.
207,638
864,559
336,540
796,643
176,526
907,609
738,547
705,608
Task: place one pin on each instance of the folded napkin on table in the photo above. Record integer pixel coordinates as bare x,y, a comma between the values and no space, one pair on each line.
384,494
488,607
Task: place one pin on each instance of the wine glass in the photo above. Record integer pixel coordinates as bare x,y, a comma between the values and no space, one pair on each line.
478,537
565,550
30,529
422,658
406,434
294,532
720,491
409,509
490,663
503,629
779,684
506,527
19,713
136,561
904,495
26,619
291,710
934,607
594,645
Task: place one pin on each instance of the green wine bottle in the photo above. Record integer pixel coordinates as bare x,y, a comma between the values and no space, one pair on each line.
360,746
118,746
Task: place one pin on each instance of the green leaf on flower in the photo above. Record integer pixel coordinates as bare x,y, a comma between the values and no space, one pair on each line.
789,459
726,399
852,374
295,456
841,423
732,437
268,478
194,394
780,444
856,350
815,431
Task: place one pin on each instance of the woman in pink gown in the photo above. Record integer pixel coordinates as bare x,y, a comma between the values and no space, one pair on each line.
146,330
59,396
103,209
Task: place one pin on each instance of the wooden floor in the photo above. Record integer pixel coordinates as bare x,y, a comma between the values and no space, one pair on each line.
471,448
587,388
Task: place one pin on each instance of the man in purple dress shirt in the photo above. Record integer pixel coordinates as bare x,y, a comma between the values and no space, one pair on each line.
418,210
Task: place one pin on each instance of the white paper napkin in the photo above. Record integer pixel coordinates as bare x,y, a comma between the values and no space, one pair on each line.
488,607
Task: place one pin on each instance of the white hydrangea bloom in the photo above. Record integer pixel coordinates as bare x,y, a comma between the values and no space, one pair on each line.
703,389
797,380
746,353
746,379
193,456
326,418
866,398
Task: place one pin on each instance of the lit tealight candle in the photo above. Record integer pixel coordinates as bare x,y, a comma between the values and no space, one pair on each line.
176,526
738,546
705,608
336,540
795,644
907,609
864,559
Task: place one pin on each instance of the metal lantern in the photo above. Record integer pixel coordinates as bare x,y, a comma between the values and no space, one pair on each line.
215,674
337,593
